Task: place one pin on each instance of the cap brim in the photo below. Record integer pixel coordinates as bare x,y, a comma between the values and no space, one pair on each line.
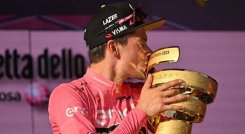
153,24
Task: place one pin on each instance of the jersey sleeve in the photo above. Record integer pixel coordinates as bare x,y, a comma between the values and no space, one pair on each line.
132,123
70,111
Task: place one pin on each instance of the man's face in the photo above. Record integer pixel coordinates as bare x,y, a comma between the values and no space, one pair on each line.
135,55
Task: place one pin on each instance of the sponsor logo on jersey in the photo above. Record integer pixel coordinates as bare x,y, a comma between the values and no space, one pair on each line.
70,111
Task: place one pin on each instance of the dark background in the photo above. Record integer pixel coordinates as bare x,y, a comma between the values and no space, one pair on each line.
73,14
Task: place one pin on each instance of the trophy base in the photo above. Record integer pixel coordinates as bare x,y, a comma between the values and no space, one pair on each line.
174,127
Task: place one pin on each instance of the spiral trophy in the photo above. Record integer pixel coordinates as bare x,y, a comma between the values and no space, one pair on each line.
201,87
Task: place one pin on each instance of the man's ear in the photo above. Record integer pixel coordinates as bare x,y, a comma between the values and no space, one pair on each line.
112,46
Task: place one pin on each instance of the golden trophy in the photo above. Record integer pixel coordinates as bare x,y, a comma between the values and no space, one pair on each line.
201,87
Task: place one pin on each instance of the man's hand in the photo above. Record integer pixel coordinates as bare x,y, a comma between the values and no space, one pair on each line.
152,101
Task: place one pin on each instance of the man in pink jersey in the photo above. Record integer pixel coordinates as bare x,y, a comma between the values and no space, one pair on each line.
100,101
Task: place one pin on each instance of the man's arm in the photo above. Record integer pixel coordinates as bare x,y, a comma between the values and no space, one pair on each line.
71,112
152,101
132,123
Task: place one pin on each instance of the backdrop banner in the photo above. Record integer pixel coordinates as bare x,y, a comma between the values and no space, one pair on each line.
33,63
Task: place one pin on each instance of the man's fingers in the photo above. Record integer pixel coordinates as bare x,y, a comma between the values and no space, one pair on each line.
148,81
169,93
175,99
170,84
173,107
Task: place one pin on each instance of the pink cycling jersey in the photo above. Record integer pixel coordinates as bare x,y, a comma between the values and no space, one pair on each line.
93,104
